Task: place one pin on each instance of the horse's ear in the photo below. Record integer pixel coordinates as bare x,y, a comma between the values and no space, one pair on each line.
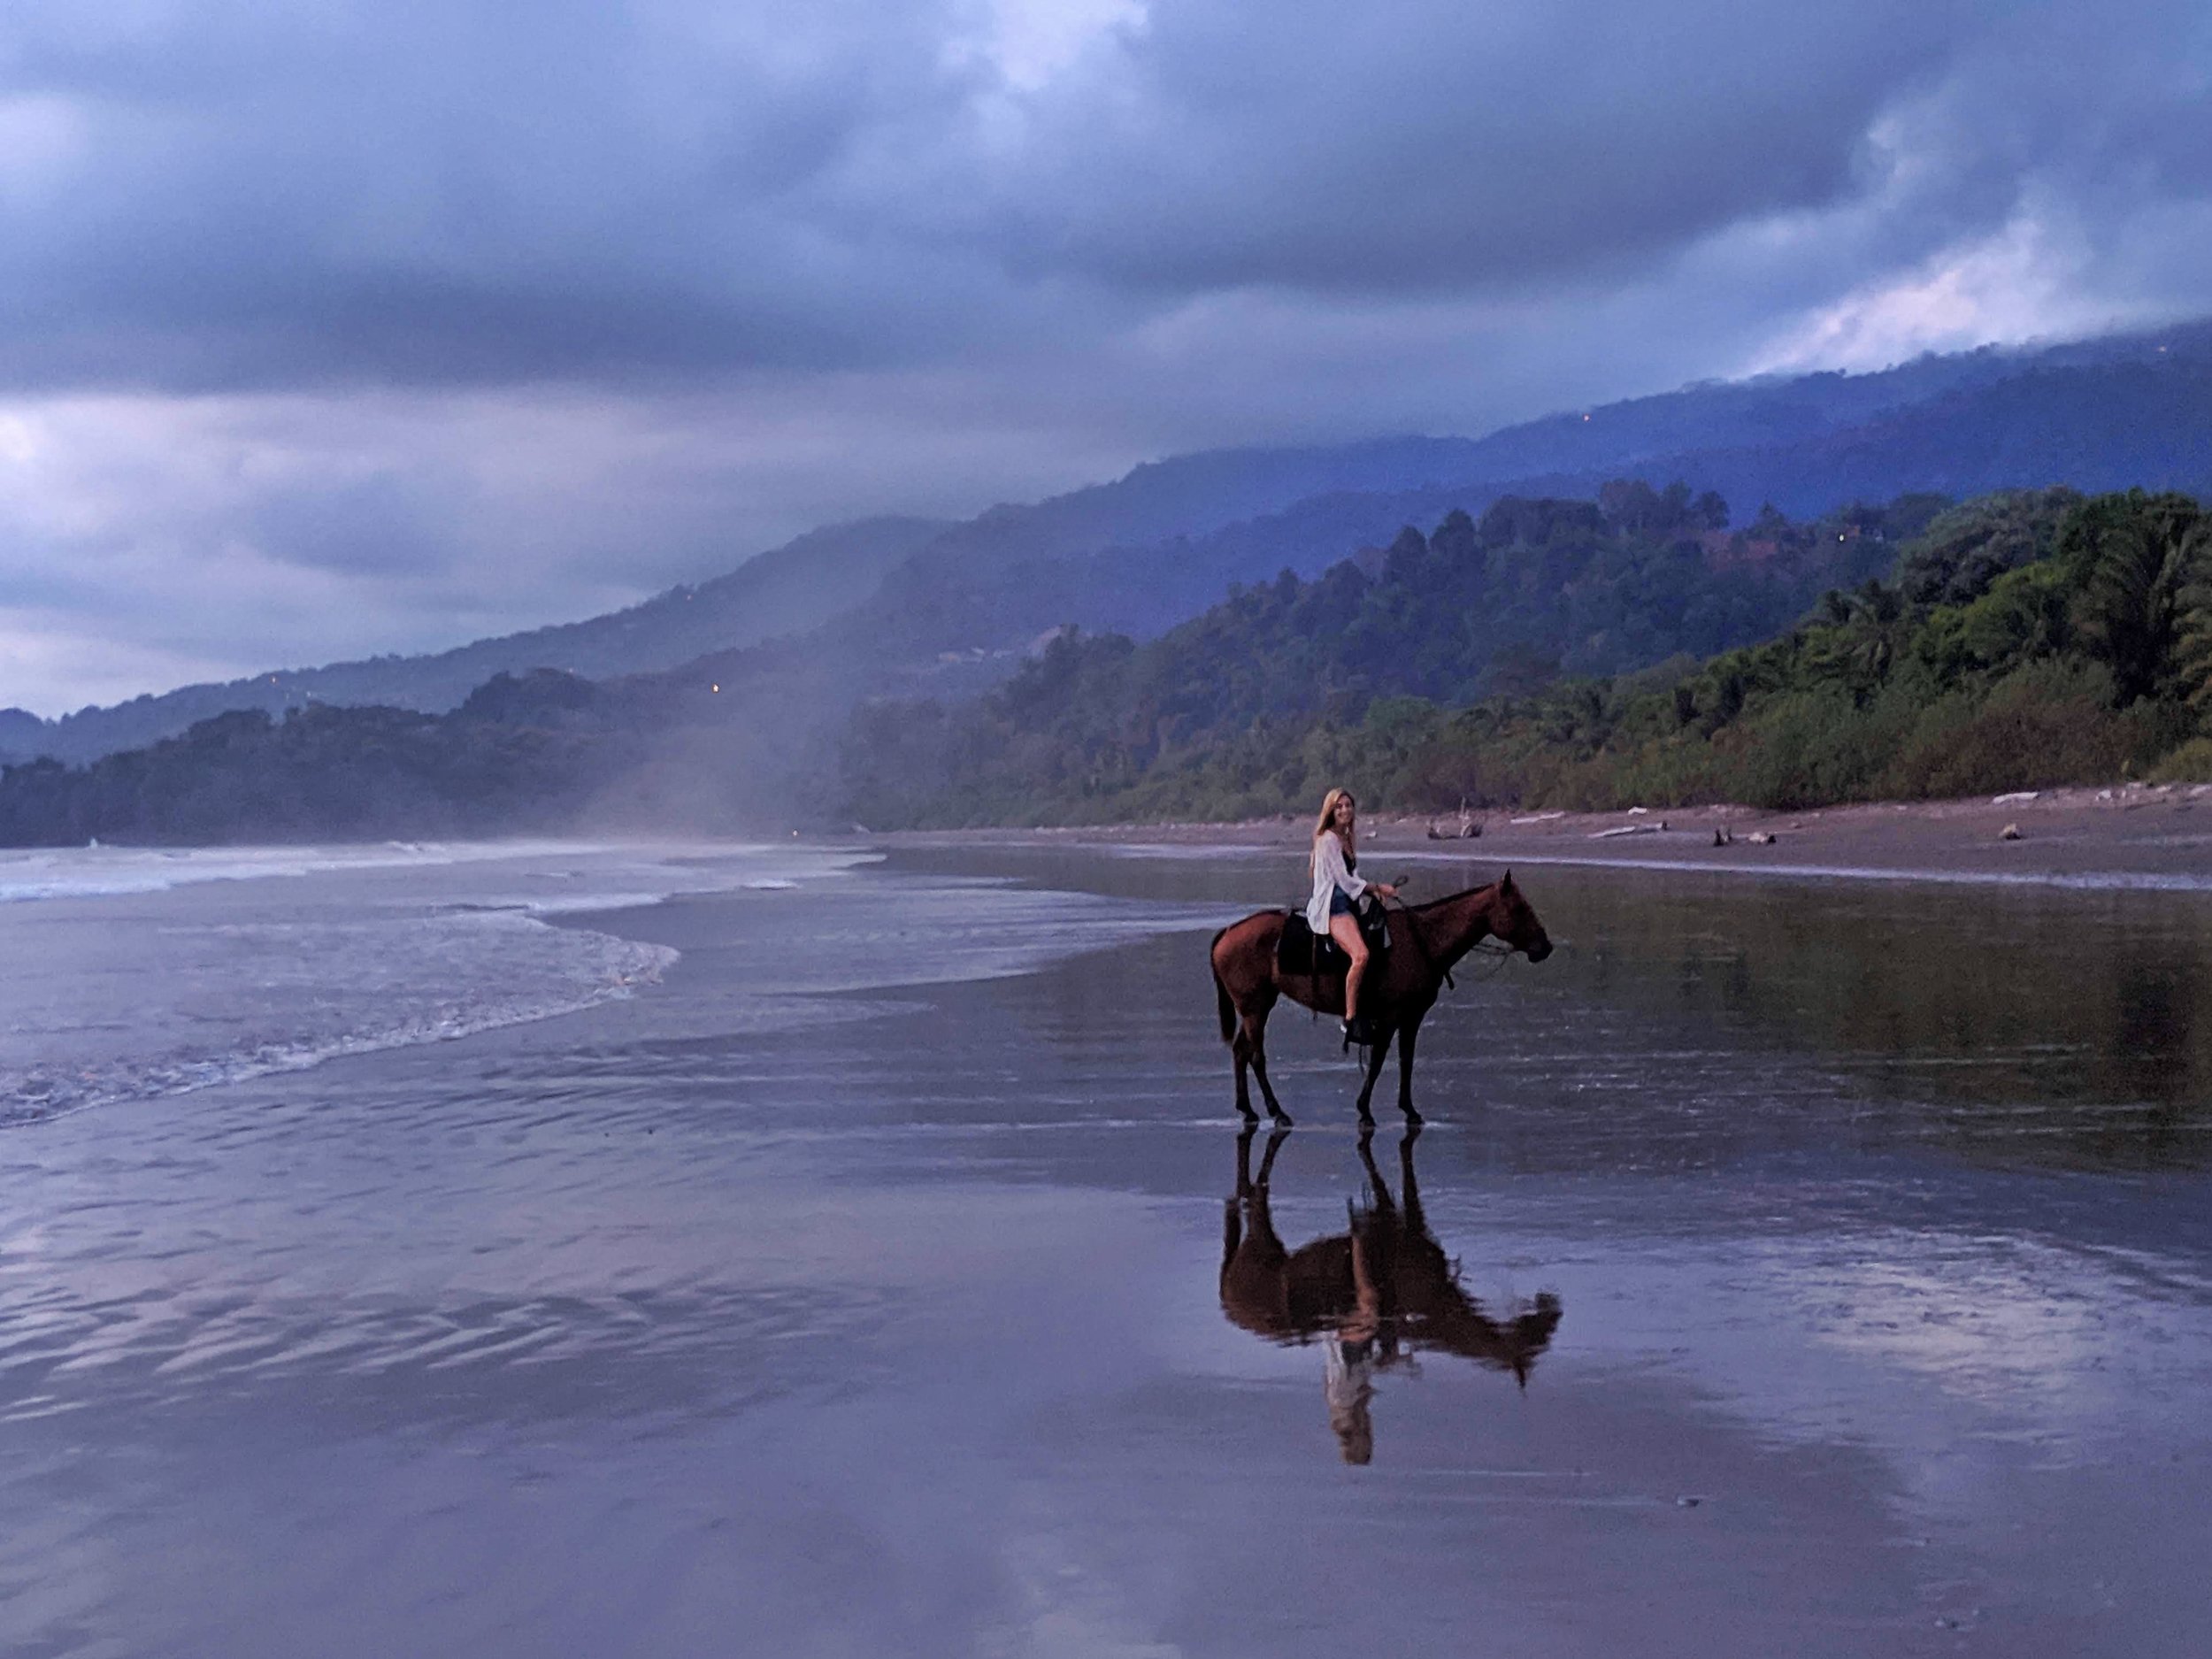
1506,886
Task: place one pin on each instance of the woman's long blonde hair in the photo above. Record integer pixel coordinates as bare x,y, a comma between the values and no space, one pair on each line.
1327,823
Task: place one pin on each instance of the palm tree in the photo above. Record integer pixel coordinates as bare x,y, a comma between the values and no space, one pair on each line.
2193,656
2145,560
1868,629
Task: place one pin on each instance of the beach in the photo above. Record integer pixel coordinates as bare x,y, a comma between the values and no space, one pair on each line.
2146,834
851,1251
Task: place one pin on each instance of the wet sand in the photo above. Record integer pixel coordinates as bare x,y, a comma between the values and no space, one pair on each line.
1834,1265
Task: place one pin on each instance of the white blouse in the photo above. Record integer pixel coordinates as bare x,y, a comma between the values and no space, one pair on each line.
1329,875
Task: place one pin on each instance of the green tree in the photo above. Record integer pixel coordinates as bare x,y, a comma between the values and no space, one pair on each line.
2194,655
1867,630
2136,556
1967,548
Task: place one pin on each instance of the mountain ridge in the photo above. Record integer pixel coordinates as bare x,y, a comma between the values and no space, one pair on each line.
1141,552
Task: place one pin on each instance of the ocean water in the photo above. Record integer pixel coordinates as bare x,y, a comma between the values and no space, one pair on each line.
127,973
852,1254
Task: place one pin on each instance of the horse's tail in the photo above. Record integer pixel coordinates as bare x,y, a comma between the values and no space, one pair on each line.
1222,1004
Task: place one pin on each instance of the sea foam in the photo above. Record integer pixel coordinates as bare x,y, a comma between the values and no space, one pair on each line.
130,973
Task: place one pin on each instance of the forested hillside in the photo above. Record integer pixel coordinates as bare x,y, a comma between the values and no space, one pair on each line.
2101,414
888,600
517,756
2021,640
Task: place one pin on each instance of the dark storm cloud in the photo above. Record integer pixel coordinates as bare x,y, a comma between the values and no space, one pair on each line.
435,192
336,326
267,196
1431,146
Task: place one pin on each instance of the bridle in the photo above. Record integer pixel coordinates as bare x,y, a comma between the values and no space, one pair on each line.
1497,949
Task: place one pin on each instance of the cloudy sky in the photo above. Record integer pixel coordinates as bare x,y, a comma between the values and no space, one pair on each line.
335,326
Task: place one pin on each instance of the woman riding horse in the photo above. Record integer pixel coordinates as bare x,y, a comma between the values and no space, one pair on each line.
1427,940
1333,909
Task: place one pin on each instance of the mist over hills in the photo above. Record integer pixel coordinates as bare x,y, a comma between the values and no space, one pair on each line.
2023,638
787,590
753,739
794,639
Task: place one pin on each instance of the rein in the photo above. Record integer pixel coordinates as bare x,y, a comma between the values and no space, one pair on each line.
1496,949
1498,954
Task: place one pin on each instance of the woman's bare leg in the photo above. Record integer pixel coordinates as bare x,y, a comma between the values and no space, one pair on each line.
1345,931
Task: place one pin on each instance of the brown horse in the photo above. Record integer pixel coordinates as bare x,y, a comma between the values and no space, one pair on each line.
1379,1293
1396,994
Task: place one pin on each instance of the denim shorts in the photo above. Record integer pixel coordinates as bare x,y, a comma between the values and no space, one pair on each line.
1339,905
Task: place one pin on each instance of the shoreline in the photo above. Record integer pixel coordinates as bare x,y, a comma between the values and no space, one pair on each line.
2144,836
1772,1254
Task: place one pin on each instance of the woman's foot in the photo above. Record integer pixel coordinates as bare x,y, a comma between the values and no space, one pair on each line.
1357,1030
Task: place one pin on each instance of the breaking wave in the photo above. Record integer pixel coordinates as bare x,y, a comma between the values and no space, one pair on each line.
126,974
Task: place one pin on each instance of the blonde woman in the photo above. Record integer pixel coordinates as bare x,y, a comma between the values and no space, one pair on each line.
1337,887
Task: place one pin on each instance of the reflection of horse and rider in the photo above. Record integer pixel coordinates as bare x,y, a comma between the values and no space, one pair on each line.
1372,1296
1281,953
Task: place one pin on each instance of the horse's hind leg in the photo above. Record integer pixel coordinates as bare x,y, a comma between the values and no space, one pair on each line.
1241,1046
1255,1028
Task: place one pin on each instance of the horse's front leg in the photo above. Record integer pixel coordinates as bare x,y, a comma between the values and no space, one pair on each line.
1275,1139
1407,1032
1375,1058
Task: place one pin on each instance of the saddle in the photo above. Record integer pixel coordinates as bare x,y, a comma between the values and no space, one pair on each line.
1301,951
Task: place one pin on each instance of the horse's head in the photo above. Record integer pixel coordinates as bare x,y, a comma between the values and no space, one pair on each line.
1514,922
